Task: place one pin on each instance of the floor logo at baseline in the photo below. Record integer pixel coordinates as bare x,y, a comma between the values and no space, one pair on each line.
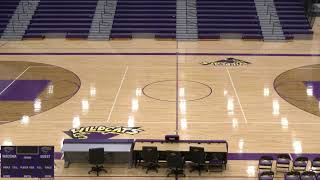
101,132
226,62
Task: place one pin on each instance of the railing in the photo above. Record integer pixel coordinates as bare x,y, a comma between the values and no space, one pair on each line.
271,16
265,2
310,11
269,6
105,8
274,25
25,6
188,21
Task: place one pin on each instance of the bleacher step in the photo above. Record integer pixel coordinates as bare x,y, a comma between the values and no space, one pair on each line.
18,24
102,21
269,21
186,20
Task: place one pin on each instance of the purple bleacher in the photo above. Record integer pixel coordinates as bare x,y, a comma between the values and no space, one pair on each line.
7,9
165,35
292,18
70,17
216,17
156,17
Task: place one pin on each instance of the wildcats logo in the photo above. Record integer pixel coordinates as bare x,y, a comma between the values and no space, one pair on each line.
226,62
101,132
45,149
8,149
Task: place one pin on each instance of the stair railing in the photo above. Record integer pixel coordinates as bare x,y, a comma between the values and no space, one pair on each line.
270,13
274,25
13,27
270,17
188,21
22,7
270,6
100,23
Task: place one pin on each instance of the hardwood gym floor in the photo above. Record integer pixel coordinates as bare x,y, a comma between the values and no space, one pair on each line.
132,83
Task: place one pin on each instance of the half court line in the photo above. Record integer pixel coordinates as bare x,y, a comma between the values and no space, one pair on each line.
14,80
177,92
115,99
158,54
235,91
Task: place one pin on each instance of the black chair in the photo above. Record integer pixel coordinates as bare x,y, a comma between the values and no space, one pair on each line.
175,163
265,163
150,157
308,175
198,158
300,163
283,162
96,157
216,162
266,175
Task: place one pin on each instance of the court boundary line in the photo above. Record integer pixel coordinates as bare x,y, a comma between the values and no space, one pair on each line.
235,91
208,122
5,43
44,66
118,92
160,54
14,80
193,176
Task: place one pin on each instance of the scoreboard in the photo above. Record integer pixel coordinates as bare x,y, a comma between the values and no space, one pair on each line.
27,161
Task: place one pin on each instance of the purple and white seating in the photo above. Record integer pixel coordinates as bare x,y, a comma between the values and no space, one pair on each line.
218,19
293,19
66,18
266,175
300,164
265,163
283,161
294,175
7,9
155,17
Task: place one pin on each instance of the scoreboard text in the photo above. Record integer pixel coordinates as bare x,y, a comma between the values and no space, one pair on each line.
27,161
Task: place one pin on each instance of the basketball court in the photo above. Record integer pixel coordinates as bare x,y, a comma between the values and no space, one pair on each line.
266,101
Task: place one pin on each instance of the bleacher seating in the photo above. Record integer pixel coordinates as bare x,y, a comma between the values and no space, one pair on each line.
7,9
216,17
292,18
71,18
156,17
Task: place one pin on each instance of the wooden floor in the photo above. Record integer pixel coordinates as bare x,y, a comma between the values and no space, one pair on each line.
133,89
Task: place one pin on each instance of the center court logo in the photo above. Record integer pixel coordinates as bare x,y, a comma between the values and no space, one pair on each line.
101,132
226,62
